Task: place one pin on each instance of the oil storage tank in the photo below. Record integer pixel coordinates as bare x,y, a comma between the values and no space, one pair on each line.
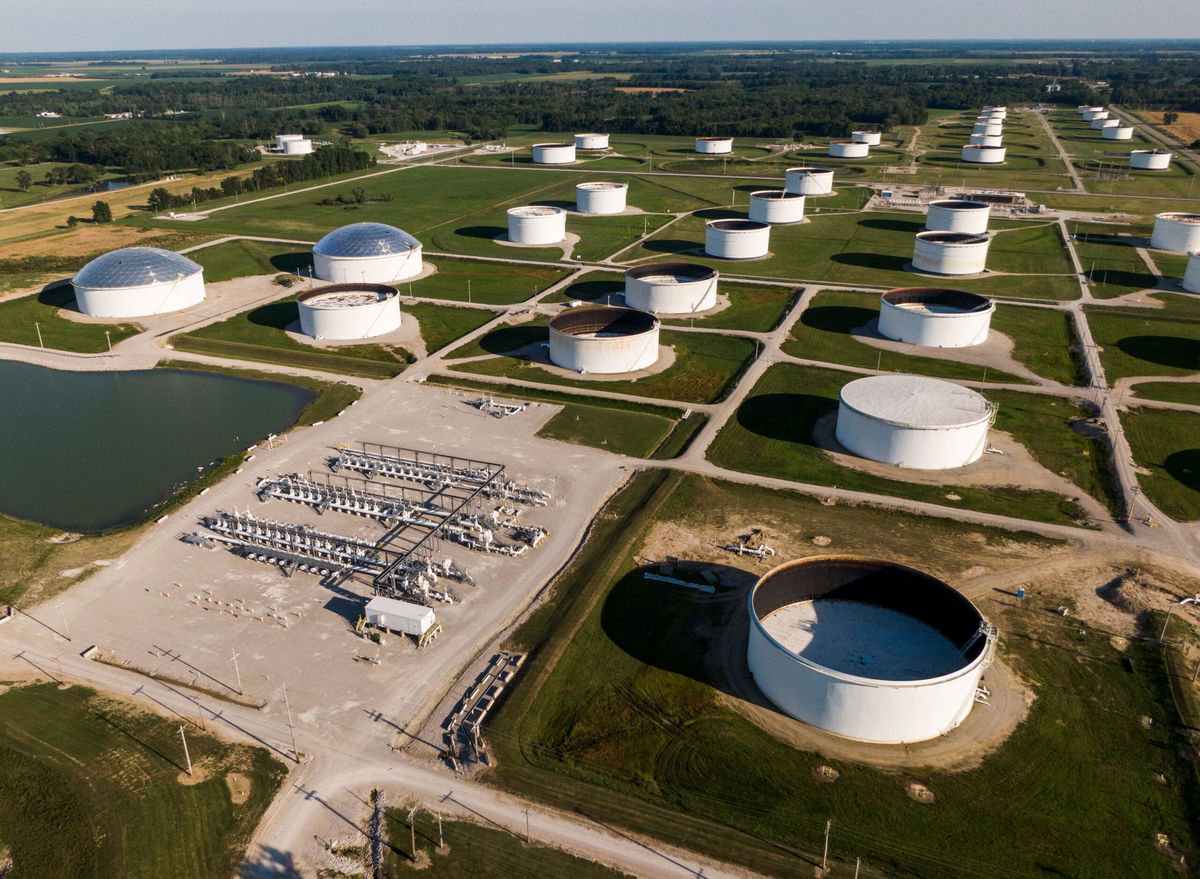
282,139
776,206
935,316
591,141
367,253
849,149
138,282
1117,132
992,140
1106,122
714,145
866,649
553,153
950,253
737,239
1176,231
993,128
1091,114
870,138
913,421
1150,160
957,215
349,311
299,147
537,224
980,154
671,288
604,340
601,197
1191,274
809,181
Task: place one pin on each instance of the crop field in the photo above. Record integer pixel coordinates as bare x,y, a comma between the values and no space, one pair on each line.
1167,444
1137,342
100,792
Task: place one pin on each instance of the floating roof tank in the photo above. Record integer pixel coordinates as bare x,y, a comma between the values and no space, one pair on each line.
957,215
776,206
935,317
138,282
848,149
349,311
671,288
604,340
714,145
950,253
537,224
870,138
1150,160
1176,231
737,239
979,154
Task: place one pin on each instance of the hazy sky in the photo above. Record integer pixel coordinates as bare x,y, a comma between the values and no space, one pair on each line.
57,25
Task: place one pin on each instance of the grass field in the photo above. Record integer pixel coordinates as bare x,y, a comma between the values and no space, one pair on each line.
240,259
1171,392
771,435
467,280
91,788
1043,340
1167,443
22,318
442,324
1137,343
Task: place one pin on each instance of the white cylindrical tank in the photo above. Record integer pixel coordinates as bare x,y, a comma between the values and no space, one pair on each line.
935,317
913,421
1117,132
591,141
553,153
138,282
1084,110
537,224
604,340
866,649
737,239
809,181
979,154
870,138
1106,122
349,311
367,253
950,253
601,198
848,149
671,288
299,147
994,140
957,215
282,139
776,206
1191,275
1150,160
993,128
1002,112
714,145
1093,113
1177,232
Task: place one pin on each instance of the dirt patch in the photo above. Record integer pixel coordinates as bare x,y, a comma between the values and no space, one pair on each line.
1163,843
202,771
239,787
6,862
826,774
920,793
75,572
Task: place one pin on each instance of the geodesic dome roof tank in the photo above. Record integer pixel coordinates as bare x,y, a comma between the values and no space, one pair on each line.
138,282
367,253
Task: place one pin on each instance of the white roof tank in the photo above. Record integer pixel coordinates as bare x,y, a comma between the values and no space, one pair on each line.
671,288
537,224
776,206
601,198
737,239
1150,160
957,215
1176,231
714,145
349,311
553,153
849,149
870,138
950,253
1117,132
979,154
591,141
809,181
1191,275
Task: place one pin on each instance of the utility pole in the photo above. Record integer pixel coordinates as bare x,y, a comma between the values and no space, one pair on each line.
237,671
38,327
825,856
291,728
412,831
62,613
857,865
468,289
187,756
441,839
108,337
527,827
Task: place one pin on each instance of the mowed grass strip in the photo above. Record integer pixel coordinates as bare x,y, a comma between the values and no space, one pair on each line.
91,787
23,318
491,283
1044,340
1169,392
1144,342
442,324
246,257
1167,444
772,435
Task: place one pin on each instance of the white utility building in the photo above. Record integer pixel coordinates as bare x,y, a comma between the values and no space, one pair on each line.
913,421
553,153
1117,132
1150,160
849,149
367,253
349,311
1191,274
714,145
537,224
980,154
737,239
671,288
404,617
870,138
866,649
138,282
958,215
1176,231
809,181
601,198
591,141
950,253
935,317
604,340
776,206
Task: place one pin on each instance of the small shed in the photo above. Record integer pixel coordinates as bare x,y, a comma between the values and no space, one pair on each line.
400,616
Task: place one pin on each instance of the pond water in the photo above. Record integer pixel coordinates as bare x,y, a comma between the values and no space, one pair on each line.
90,451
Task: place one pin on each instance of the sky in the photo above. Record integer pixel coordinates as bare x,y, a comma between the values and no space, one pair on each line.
100,25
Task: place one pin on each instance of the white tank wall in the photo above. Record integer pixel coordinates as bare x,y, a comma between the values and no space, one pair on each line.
715,145
987,140
983,155
687,297
282,139
368,269
914,448
870,711
358,322
553,153
549,228
141,301
809,181
972,221
848,149
999,112
591,141
993,128
605,356
1177,235
932,329
1191,275
608,200
1083,111
1118,132
870,138
1148,160
301,147
776,210
952,259
1106,122
1092,113
737,243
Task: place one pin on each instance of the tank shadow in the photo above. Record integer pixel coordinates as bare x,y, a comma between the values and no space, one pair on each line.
488,232
719,214
1185,467
880,261
555,203
595,291
1163,350
293,263
893,225
837,318
59,294
1139,280
788,417
672,245
277,315
505,340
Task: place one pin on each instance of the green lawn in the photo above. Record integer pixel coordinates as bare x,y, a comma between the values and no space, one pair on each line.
468,280
442,324
1171,392
242,258
1043,340
91,788
1167,443
21,320
1111,261
771,435
1144,342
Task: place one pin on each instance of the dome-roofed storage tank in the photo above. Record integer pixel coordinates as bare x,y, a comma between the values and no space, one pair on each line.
994,140
553,153
866,649
138,282
776,206
367,253
1117,132
957,215
993,128
601,198
870,138
809,181
537,224
591,141
671,288
737,239
1150,160
848,149
714,145
349,311
950,253
1191,274
1176,231
913,421
604,340
299,147
979,154
935,317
